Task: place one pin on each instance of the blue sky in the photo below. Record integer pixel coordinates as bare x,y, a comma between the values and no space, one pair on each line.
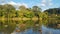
43,4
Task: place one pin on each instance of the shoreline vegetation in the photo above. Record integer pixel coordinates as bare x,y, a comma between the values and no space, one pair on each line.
9,12
18,18
34,18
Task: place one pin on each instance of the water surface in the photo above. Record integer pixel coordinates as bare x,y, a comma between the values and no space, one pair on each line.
30,27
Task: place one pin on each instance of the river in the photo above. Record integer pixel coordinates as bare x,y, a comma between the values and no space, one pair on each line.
30,27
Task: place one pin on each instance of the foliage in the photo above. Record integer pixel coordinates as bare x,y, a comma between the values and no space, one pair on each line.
53,11
9,11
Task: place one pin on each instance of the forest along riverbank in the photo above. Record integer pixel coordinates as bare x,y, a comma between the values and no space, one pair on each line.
34,18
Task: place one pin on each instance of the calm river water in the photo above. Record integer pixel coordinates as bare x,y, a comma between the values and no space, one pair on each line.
30,27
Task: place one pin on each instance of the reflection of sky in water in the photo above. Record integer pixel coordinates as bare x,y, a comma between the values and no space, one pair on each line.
32,30
50,30
44,31
28,31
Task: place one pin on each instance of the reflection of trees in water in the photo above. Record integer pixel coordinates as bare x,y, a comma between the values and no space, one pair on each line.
37,27
7,28
26,25
53,23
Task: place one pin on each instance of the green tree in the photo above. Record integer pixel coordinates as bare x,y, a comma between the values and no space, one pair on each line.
21,11
36,10
29,14
1,11
9,10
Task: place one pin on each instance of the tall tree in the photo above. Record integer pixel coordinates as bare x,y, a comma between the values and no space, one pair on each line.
9,9
36,10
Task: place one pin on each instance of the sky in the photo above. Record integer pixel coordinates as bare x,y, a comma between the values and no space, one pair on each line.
43,4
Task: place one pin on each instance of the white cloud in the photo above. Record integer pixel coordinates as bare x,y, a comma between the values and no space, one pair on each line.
43,5
50,0
12,3
15,4
43,1
50,4
46,3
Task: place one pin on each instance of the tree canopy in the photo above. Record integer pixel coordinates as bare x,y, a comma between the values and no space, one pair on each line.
9,11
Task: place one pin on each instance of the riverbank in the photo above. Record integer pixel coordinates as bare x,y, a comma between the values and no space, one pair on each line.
34,18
